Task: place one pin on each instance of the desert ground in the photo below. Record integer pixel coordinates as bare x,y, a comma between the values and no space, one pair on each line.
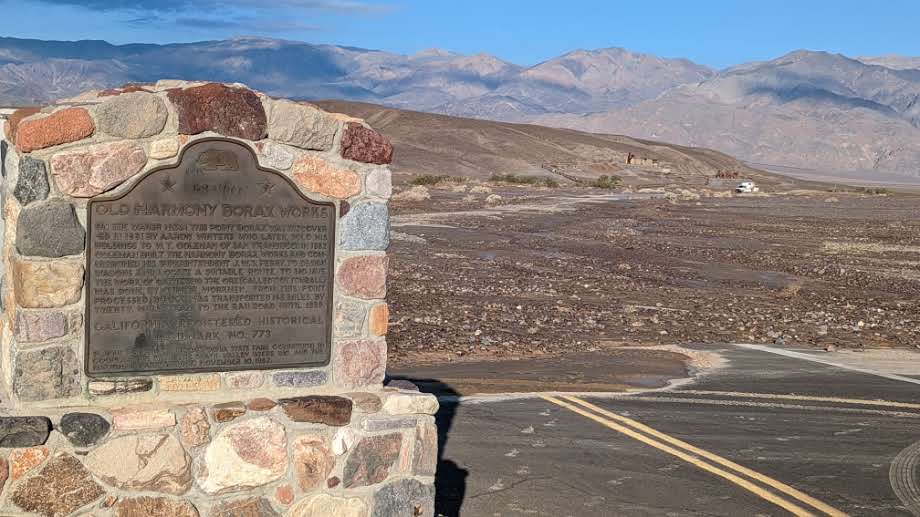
543,272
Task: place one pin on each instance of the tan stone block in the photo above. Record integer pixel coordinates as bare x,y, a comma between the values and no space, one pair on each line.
134,418
164,148
190,383
315,174
324,505
312,460
410,404
379,319
47,284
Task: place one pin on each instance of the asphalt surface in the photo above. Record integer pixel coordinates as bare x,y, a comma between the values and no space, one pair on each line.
728,443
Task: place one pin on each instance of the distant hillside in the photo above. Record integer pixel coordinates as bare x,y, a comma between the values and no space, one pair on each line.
806,109
442,145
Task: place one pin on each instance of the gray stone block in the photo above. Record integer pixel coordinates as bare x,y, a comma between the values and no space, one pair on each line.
24,431
32,184
366,227
49,373
300,379
49,229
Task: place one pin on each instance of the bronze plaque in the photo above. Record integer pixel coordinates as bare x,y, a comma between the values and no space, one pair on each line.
214,264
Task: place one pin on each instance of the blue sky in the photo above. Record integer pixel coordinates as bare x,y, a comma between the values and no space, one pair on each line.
716,33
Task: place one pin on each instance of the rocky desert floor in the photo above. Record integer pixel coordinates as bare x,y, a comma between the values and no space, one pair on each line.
544,272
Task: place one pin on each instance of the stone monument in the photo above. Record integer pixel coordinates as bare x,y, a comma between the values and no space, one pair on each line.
194,315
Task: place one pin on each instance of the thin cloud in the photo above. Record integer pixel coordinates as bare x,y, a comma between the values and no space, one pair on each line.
172,6
246,24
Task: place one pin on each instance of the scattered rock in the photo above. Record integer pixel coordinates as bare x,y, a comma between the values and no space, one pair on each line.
312,461
194,428
244,455
147,506
301,125
325,505
90,171
494,199
32,184
132,115
83,429
315,174
364,276
318,409
24,431
227,411
366,227
61,127
147,462
363,144
233,112
38,326
358,364
49,229
251,507
49,373
303,379
47,284
404,498
61,487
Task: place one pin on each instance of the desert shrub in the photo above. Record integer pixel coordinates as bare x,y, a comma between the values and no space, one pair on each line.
607,182
534,181
431,179
480,189
416,193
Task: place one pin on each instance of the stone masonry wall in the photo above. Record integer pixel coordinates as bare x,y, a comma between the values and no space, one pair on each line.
301,442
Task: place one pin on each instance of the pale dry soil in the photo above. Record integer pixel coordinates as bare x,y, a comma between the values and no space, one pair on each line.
545,273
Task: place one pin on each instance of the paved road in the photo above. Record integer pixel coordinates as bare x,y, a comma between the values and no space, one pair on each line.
766,435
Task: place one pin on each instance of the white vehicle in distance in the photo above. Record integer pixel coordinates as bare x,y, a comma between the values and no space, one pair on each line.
747,187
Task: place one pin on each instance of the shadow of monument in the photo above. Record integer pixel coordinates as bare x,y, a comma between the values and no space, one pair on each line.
450,479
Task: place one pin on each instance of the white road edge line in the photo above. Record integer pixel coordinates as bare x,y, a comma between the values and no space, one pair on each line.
809,357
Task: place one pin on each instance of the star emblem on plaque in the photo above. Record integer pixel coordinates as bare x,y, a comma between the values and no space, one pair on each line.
168,184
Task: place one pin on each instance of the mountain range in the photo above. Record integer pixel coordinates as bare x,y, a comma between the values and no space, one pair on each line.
813,110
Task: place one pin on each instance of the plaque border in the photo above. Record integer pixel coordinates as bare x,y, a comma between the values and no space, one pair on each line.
333,244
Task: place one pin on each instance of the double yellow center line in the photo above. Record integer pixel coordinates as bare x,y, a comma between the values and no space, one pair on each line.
732,472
